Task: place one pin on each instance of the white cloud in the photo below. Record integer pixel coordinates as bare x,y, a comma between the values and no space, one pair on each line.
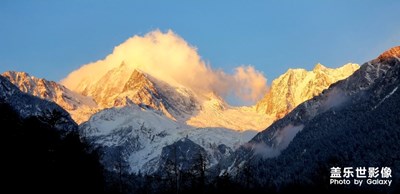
170,58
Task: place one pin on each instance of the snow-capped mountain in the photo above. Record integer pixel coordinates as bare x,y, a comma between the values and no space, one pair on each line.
164,72
298,85
139,115
137,136
27,105
80,107
125,84
352,123
176,103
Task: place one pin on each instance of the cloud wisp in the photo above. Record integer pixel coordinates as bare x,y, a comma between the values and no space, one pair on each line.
281,140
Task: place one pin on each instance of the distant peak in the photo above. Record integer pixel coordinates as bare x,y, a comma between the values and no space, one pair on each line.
393,52
138,74
350,67
15,73
319,67
295,71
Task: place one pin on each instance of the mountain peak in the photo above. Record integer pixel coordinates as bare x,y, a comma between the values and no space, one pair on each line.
299,85
319,67
393,52
18,75
137,80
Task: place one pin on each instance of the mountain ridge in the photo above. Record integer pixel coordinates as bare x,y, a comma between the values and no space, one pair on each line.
80,107
124,85
27,105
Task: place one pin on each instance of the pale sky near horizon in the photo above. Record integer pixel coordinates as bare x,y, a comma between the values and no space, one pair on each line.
50,39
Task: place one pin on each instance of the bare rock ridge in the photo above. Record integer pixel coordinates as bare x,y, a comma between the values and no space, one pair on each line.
393,52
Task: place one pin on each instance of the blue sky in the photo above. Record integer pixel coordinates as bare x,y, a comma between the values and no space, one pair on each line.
51,38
